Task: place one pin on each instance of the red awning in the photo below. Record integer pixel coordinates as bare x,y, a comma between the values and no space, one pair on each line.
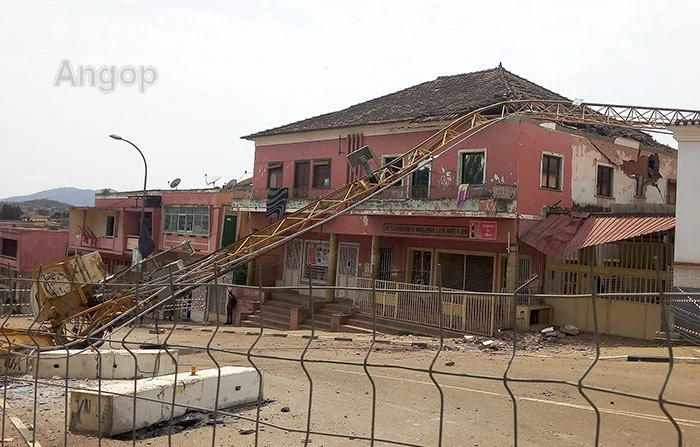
559,235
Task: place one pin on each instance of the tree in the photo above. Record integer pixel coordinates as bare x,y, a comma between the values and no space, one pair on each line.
43,212
10,212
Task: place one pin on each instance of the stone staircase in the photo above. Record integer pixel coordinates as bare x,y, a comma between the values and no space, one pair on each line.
275,313
277,310
360,323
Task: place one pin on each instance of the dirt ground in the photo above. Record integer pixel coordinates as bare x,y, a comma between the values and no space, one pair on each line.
477,411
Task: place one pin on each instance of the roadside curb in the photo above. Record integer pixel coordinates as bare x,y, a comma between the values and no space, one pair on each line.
336,338
634,358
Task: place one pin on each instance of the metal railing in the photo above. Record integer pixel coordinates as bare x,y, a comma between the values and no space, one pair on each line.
473,312
491,190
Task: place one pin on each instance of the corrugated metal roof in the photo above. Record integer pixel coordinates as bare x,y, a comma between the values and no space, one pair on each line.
561,234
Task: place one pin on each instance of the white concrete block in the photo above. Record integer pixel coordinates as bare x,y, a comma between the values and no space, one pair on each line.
238,386
115,363
14,364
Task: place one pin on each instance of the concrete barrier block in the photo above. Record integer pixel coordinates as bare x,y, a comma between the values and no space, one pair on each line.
113,364
238,386
14,364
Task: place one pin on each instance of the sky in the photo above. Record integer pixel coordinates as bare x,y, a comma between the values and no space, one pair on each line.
230,68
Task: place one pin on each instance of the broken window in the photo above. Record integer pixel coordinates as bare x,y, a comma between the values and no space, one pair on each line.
322,174
551,172
671,192
472,168
396,165
640,186
274,175
604,181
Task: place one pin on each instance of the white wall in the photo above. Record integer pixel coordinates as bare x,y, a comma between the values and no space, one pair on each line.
687,250
585,162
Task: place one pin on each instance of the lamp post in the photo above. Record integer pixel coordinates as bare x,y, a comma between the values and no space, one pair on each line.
143,199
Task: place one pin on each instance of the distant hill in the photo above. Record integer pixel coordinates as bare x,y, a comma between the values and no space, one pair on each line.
71,196
34,206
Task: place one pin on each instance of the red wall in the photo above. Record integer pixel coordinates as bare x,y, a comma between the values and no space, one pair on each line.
37,247
289,153
513,157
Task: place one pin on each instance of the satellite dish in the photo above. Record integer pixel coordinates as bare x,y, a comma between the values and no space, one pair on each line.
212,181
174,183
230,184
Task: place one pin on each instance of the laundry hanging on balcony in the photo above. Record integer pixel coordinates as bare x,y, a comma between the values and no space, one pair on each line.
277,202
462,195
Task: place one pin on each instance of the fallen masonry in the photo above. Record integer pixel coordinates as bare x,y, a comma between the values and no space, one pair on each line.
111,412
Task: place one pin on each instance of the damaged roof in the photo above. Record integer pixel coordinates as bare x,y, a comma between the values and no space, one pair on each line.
445,98
559,235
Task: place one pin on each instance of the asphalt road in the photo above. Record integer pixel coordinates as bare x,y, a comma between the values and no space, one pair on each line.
404,407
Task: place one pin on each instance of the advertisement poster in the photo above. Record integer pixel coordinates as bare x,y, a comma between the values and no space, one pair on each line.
482,230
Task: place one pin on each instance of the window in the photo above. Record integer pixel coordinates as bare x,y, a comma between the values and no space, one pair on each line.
316,265
397,161
604,181
301,179
640,187
274,175
187,219
109,231
551,172
466,272
421,267
420,183
671,192
8,247
322,174
472,167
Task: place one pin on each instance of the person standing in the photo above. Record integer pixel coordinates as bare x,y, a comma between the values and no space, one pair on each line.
230,307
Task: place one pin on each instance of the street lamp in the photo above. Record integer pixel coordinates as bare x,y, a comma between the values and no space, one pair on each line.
144,237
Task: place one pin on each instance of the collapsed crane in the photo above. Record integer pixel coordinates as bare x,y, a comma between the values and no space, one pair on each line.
73,316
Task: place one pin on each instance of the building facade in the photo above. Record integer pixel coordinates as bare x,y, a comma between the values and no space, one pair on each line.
456,221
201,217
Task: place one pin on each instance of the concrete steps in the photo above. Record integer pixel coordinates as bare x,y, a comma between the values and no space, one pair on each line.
276,315
363,324
322,317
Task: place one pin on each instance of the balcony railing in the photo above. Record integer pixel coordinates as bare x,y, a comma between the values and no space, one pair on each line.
496,191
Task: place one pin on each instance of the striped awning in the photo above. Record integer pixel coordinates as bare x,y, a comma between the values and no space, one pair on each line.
559,235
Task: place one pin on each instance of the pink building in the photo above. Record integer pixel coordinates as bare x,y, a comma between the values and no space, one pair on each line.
23,248
463,211
203,217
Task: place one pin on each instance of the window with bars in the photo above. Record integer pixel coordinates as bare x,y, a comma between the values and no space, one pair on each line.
604,181
551,172
186,219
